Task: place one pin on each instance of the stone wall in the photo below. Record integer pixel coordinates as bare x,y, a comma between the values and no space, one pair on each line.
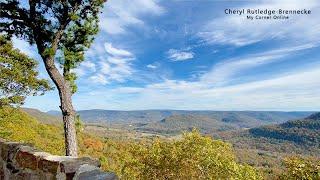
24,162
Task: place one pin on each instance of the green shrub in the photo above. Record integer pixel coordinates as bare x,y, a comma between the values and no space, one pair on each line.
301,168
193,157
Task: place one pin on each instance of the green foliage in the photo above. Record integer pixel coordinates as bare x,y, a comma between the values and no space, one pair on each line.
67,27
78,123
207,121
193,157
264,147
301,169
18,75
304,132
43,117
16,125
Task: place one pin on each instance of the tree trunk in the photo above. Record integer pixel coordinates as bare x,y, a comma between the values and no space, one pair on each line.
66,107
69,127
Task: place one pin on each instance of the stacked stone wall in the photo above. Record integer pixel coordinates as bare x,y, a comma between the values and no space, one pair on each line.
24,162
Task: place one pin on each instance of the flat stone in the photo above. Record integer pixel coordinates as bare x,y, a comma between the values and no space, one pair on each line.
95,175
73,165
88,172
43,155
52,163
60,158
20,161
86,167
48,166
26,159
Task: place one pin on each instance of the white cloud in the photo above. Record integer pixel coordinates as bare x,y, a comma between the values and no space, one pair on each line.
116,52
89,65
237,30
79,72
179,55
114,67
295,91
105,68
85,68
118,15
99,78
223,72
115,72
151,66
154,65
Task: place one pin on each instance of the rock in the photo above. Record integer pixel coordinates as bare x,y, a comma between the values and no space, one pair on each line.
89,172
48,166
26,159
19,161
96,175
74,164
8,148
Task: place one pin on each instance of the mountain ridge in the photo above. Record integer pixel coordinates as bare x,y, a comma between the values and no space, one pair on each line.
145,116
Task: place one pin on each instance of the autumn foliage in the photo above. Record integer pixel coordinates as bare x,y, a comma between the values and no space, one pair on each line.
193,156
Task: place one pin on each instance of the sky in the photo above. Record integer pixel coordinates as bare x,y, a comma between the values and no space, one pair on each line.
184,54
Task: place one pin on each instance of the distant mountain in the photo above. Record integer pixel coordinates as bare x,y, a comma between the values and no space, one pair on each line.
305,131
242,119
212,122
42,116
54,113
295,136
185,122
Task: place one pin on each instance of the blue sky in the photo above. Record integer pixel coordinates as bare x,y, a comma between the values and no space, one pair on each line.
154,54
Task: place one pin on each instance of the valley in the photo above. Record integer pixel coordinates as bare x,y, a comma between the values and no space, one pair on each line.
259,138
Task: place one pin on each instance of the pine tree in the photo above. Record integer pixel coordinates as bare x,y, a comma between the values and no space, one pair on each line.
64,26
19,77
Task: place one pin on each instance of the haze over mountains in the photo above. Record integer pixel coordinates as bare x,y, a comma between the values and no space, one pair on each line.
242,118
304,131
260,138
300,136
171,122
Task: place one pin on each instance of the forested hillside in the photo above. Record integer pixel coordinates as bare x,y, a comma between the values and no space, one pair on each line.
305,132
296,136
176,124
266,146
192,156
174,121
43,117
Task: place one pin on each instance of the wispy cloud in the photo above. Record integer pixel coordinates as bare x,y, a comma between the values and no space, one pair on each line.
222,73
297,90
151,66
116,66
238,31
154,65
124,70
99,78
118,15
179,55
116,52
85,68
